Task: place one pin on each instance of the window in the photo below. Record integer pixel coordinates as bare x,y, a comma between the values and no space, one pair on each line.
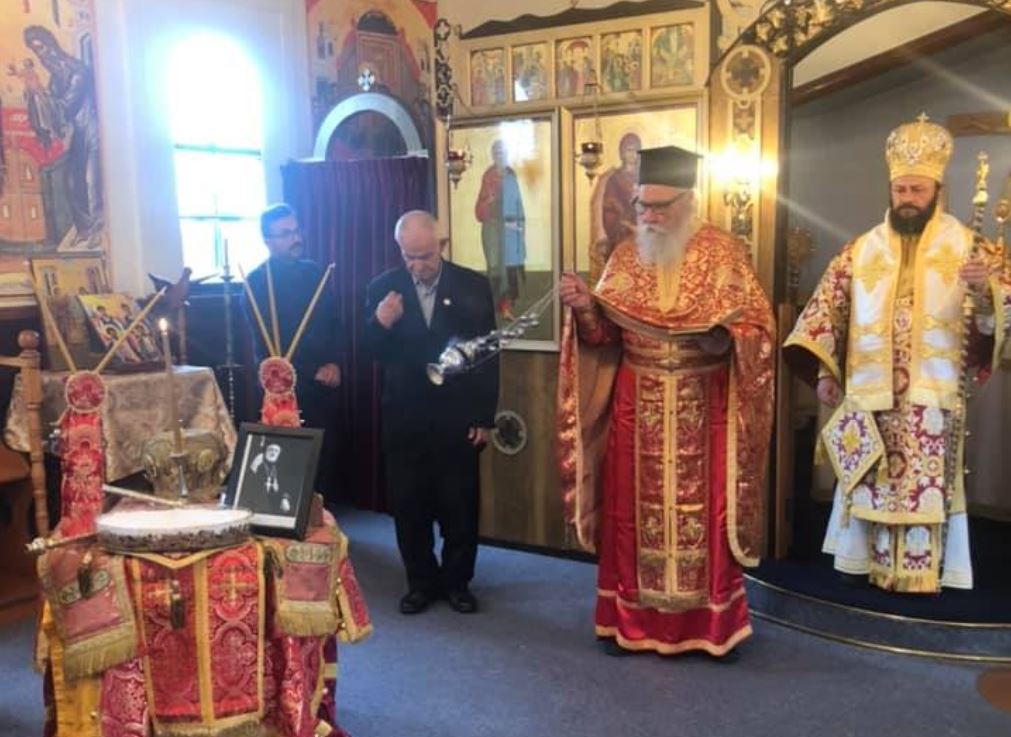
215,109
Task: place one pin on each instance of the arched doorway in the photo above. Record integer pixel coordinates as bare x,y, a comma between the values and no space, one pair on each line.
756,124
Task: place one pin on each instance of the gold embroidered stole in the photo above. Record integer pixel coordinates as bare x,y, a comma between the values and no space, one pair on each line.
936,331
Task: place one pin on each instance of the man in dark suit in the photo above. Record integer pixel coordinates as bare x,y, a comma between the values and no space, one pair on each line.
319,354
432,434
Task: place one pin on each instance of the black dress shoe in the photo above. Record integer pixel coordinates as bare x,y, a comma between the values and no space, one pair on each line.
415,602
461,600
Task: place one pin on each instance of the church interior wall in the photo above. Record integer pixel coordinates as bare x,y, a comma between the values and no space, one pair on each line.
132,39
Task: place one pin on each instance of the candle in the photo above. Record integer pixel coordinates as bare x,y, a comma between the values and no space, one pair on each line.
177,433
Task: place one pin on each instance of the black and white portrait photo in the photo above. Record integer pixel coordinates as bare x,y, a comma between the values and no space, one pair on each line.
272,476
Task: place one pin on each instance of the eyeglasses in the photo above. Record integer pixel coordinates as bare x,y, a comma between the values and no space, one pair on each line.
288,233
656,207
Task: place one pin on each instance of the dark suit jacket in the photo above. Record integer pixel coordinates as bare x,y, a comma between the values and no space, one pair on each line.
413,408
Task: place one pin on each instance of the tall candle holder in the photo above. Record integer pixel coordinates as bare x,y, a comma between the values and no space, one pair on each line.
229,366
178,454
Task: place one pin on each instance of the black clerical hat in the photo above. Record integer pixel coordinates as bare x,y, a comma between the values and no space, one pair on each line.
668,165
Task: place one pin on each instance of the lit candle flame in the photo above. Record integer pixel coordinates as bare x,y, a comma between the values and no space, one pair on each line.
163,325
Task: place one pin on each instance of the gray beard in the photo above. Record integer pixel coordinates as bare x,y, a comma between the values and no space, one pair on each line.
662,247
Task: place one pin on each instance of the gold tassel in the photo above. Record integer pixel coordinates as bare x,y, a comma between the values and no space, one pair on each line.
95,659
300,619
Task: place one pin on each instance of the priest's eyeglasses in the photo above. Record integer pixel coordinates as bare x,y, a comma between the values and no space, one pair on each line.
286,233
656,208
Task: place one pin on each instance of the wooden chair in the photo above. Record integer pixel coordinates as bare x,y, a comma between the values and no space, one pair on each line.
21,483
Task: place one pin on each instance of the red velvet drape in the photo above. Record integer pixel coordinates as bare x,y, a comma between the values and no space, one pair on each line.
347,210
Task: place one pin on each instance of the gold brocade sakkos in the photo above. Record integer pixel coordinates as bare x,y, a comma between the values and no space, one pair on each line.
885,321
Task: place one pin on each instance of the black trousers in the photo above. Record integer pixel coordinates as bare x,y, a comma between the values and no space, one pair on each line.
428,484
319,406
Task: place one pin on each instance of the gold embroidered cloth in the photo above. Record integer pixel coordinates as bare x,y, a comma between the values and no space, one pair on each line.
135,410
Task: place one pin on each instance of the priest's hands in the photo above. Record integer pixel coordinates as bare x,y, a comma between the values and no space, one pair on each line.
329,374
390,310
574,293
829,391
478,436
716,342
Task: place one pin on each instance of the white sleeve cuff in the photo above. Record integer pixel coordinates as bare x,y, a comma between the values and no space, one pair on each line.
986,324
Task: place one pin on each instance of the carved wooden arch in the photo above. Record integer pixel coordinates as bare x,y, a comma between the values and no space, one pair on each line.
791,29
385,105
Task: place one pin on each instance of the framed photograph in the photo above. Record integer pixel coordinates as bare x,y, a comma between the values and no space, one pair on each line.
530,72
574,65
62,280
672,55
621,62
602,209
109,315
503,216
272,476
487,77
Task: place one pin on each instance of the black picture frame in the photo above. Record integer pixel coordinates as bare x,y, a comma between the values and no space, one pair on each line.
278,490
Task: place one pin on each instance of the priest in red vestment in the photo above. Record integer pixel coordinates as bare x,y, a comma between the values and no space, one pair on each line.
665,413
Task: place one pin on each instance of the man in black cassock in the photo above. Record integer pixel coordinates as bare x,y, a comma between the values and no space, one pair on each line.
317,360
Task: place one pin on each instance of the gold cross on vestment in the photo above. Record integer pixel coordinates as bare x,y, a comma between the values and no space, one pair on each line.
233,586
875,270
945,262
166,588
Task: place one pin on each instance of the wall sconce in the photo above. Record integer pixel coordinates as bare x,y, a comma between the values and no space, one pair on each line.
739,176
457,160
591,153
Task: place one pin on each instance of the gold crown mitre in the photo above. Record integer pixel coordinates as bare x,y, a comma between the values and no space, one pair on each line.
920,148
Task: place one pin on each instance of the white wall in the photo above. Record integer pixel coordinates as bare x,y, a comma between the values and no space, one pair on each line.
133,38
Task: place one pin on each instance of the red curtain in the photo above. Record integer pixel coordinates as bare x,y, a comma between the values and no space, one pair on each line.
347,210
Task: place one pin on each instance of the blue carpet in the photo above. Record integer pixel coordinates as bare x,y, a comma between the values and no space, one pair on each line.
528,665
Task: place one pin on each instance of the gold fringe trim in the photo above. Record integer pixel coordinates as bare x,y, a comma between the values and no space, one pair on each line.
248,727
323,729
306,619
923,583
668,648
97,654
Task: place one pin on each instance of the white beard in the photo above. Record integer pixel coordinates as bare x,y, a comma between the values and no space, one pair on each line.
661,247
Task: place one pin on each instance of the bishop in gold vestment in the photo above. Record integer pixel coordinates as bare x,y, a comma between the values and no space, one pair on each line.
885,328
665,411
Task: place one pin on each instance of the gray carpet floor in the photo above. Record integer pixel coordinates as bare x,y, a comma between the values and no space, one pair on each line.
528,665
